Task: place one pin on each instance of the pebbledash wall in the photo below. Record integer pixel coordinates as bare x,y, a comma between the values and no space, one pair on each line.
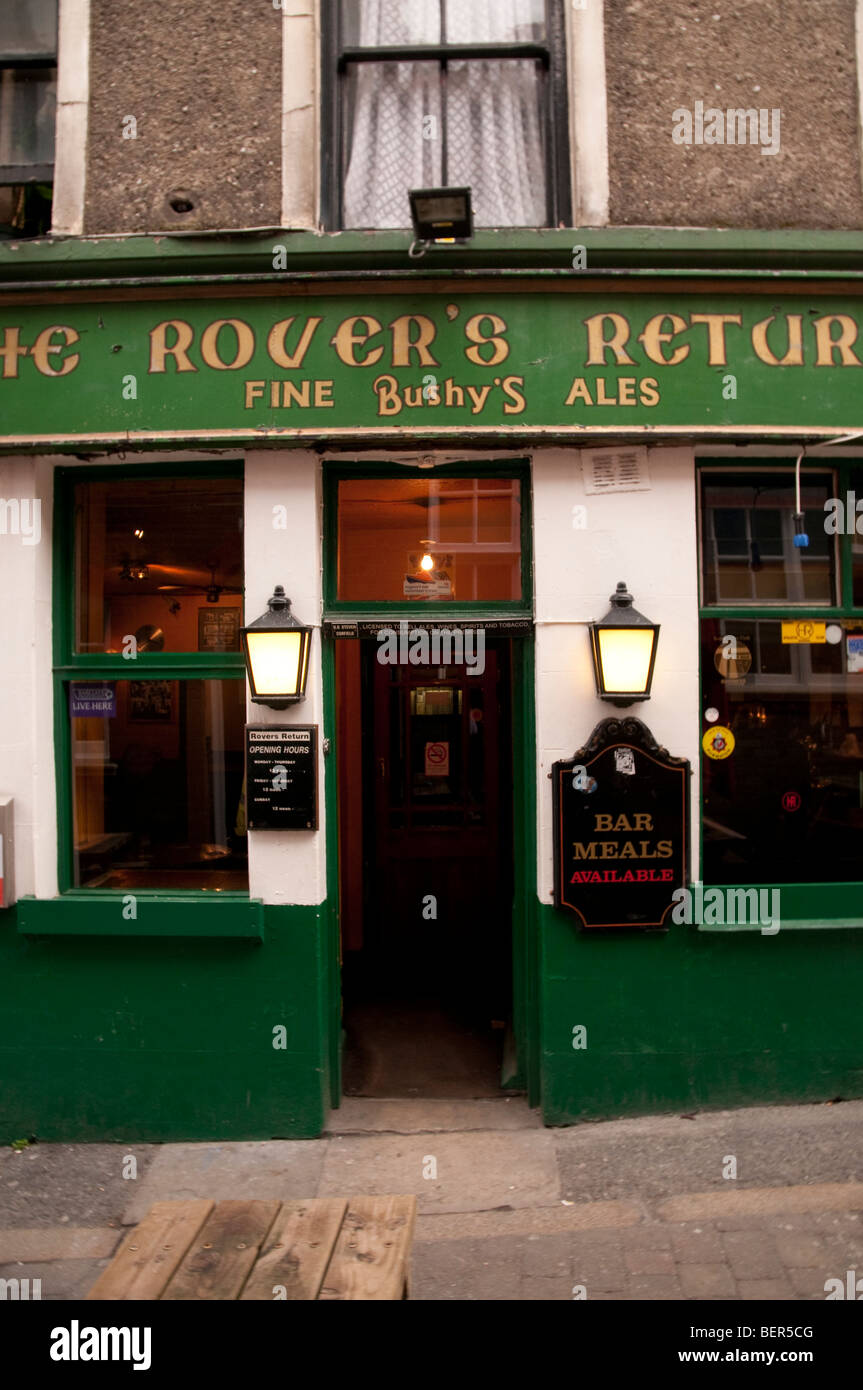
166,1035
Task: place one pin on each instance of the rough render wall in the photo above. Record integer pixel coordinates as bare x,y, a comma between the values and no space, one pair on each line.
797,55
203,79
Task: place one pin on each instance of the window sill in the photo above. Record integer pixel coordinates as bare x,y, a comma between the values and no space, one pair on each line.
192,914
790,924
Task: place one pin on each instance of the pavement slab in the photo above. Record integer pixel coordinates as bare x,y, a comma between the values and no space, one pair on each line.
84,1184
469,1171
509,1210
57,1243
276,1168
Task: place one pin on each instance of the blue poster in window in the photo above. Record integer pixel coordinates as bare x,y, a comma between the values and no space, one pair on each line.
87,701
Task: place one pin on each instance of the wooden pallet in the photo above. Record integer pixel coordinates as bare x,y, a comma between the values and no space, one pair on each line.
325,1247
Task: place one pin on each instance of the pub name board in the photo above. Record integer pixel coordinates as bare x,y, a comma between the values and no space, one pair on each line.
621,821
562,361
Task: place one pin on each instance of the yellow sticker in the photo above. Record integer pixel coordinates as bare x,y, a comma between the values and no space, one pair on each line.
718,742
804,630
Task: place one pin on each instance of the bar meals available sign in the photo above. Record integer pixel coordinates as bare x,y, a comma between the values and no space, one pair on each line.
490,363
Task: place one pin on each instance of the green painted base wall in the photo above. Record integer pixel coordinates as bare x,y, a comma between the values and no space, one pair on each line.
105,1038
149,1039
694,1020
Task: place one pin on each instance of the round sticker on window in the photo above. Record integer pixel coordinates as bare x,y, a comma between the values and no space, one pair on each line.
718,742
732,658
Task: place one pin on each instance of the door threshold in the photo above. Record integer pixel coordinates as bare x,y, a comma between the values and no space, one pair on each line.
378,1115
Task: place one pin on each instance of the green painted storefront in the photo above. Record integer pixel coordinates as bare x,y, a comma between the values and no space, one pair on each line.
164,1030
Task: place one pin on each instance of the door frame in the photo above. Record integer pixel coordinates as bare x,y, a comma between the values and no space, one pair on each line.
525,1074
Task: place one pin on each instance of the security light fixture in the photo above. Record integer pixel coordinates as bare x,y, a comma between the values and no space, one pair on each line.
276,647
440,217
624,651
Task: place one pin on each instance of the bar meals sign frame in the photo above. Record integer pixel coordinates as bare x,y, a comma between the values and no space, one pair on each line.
426,363
621,828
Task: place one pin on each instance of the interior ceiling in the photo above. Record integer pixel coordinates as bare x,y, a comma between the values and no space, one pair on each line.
191,528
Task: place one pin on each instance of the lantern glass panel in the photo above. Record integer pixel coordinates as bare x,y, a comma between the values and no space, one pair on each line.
625,654
275,661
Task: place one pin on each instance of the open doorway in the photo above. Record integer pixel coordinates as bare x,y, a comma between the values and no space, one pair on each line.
426,872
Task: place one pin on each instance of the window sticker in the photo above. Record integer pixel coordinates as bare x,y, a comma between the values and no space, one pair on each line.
718,742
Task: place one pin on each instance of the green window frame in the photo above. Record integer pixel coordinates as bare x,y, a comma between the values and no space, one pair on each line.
804,906
369,609
87,911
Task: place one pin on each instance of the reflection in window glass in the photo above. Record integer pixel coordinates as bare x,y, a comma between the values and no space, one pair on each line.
852,517
786,805
160,560
438,540
748,539
158,784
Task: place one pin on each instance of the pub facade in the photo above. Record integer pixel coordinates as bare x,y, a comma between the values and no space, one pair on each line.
429,662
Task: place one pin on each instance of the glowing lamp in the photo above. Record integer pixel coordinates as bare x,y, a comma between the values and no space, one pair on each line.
276,647
624,651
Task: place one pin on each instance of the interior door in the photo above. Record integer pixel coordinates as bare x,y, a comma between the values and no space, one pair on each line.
442,885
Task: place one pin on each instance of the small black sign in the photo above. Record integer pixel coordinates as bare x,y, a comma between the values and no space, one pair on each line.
282,777
621,828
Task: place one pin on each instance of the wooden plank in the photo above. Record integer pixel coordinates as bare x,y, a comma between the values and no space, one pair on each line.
152,1251
218,1261
297,1251
372,1254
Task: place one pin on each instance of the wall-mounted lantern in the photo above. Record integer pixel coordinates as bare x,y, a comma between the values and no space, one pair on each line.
276,647
624,650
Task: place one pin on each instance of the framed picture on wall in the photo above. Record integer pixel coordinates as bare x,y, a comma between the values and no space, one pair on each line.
218,629
151,702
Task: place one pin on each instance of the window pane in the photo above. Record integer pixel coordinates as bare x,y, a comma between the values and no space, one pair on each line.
28,28
160,560
495,21
786,805
469,528
374,23
392,139
27,107
495,140
748,547
158,784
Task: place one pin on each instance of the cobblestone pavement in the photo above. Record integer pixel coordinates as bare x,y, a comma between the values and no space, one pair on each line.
508,1210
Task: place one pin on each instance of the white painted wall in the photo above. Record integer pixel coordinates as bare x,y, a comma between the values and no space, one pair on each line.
300,109
73,99
26,698
588,112
287,866
648,539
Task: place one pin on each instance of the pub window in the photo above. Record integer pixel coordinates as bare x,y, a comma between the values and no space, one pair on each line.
28,90
442,93
439,540
782,678
150,681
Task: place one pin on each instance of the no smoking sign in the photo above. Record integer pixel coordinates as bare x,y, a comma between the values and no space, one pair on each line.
437,760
